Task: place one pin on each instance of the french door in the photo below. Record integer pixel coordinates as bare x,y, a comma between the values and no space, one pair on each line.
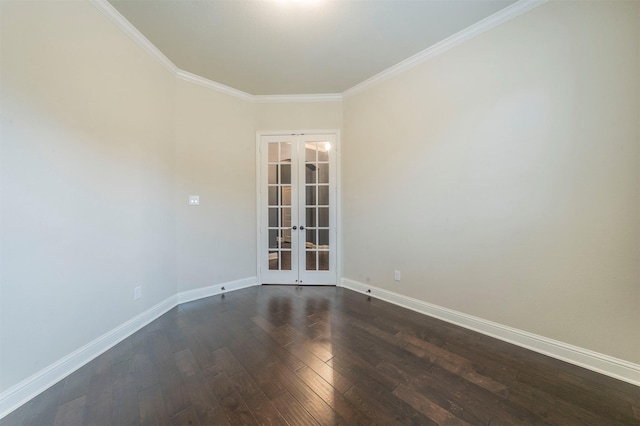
297,209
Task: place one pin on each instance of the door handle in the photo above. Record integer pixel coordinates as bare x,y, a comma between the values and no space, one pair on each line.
302,228
295,227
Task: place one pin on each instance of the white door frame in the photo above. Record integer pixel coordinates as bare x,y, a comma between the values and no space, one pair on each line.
259,195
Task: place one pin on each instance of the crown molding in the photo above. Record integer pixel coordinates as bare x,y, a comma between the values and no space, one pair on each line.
204,82
320,97
127,27
500,17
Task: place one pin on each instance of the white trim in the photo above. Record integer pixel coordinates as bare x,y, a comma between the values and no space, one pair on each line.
500,17
600,363
259,134
204,82
127,27
320,97
201,293
22,392
27,389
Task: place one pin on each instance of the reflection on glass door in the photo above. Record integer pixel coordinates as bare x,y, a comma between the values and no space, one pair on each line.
297,236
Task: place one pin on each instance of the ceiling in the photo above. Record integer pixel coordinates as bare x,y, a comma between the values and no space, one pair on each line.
280,47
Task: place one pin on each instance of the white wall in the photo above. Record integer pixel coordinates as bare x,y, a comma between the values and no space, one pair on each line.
502,177
87,182
298,116
215,159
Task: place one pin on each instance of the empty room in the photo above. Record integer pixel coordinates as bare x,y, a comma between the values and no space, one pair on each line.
230,212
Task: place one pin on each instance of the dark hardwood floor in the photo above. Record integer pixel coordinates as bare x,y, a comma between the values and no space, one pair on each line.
322,355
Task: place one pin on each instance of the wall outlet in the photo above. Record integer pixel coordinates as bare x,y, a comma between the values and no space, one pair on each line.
194,200
397,275
137,293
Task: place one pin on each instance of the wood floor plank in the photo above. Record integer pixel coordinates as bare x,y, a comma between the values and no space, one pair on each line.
174,324
276,350
44,406
125,409
453,399
316,329
453,363
260,406
354,368
499,410
263,324
555,410
384,407
77,383
233,405
277,355
614,409
335,378
490,365
198,345
203,400
427,407
320,347
333,397
282,335
100,392
600,386
226,361
256,360
71,413
319,409
173,390
152,407
292,411
186,417
145,369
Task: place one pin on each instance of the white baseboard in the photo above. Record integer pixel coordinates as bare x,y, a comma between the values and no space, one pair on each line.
200,293
601,363
24,391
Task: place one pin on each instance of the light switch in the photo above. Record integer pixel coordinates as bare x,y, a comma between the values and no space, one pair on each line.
194,200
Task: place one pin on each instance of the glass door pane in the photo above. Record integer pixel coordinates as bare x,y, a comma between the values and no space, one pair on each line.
318,196
278,259
280,181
